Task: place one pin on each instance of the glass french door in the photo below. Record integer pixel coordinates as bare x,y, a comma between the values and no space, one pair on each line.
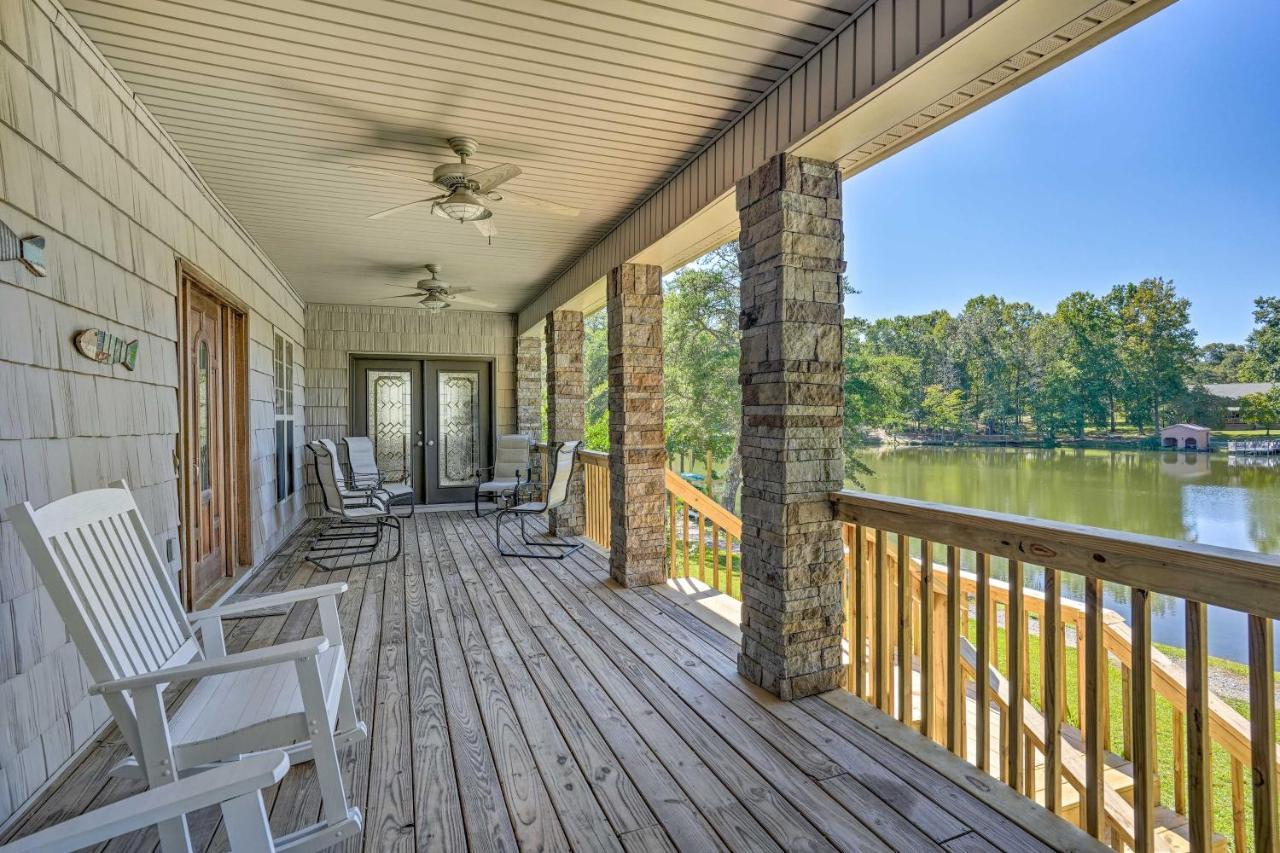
429,422
457,418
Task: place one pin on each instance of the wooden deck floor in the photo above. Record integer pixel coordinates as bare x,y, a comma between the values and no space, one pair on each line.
529,704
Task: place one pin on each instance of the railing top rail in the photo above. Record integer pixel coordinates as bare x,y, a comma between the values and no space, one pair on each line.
679,487
1227,577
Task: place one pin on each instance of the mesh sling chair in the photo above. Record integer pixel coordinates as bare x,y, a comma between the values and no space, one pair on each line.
366,473
564,461
510,469
357,516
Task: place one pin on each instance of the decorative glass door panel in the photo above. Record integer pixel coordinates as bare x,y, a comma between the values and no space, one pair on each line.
390,422
458,427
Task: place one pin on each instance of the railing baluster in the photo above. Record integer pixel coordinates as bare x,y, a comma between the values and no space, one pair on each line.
715,556
928,716
1262,728
1051,647
1094,654
1179,762
906,634
859,609
1199,744
983,687
955,675
702,548
671,511
685,528
1078,624
883,649
1013,640
1237,804
1144,757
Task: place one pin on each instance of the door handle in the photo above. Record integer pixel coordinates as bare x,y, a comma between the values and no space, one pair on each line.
431,444
419,443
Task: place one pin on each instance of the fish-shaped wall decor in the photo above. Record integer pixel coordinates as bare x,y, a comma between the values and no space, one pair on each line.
106,348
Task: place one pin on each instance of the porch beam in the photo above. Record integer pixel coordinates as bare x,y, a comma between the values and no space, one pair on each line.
566,408
637,452
791,258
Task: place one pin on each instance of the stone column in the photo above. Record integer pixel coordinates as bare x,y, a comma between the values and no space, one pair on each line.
637,451
791,257
529,387
566,401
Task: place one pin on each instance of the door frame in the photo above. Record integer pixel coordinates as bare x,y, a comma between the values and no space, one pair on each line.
237,545
425,359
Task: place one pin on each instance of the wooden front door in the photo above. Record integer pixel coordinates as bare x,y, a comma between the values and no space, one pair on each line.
206,453
214,441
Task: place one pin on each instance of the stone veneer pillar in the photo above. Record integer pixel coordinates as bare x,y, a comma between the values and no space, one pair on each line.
637,451
791,258
566,402
529,387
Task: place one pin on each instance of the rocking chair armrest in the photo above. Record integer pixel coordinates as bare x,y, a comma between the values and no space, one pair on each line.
266,602
269,656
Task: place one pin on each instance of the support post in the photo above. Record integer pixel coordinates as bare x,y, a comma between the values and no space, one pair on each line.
529,387
637,451
791,258
566,401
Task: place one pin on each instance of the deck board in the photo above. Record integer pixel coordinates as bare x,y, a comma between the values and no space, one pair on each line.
521,704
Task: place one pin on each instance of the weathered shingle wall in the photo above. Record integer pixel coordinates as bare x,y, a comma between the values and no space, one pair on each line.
336,332
85,165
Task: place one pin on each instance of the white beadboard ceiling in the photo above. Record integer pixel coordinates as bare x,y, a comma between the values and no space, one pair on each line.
597,101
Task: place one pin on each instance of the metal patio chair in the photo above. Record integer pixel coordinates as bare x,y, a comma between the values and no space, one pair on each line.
564,460
510,469
357,516
365,473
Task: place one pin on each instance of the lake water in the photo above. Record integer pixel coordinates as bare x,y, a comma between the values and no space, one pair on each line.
1197,497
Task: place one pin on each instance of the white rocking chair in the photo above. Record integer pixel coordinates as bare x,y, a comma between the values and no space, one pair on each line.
237,787
113,591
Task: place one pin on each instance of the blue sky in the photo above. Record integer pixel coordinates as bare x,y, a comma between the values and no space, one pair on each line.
1156,153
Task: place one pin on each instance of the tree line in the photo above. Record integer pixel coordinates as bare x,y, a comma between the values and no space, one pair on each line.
1002,367
998,366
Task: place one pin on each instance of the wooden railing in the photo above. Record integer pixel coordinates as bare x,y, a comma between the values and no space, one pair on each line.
1004,723
1021,735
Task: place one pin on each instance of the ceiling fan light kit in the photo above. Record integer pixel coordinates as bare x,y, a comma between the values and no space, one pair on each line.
465,189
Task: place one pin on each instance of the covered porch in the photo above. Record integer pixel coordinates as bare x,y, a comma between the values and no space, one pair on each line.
534,705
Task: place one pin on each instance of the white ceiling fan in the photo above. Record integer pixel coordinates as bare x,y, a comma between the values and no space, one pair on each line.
434,293
466,189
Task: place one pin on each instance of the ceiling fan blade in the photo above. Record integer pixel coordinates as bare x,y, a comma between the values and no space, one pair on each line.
486,227
369,170
537,203
400,296
382,214
487,179
466,300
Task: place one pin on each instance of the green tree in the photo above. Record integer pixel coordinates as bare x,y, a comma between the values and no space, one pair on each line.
1089,342
944,409
1060,400
1219,363
701,352
1262,361
595,364
995,350
1261,409
1157,347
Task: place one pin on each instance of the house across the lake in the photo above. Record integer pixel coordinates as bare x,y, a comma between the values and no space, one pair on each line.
1232,392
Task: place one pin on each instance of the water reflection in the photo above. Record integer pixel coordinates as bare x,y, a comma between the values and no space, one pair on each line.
1198,497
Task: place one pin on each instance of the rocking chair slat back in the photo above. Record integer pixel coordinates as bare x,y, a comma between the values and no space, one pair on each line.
101,568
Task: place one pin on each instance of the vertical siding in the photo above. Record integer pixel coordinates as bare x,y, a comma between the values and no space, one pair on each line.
335,332
84,164
881,40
